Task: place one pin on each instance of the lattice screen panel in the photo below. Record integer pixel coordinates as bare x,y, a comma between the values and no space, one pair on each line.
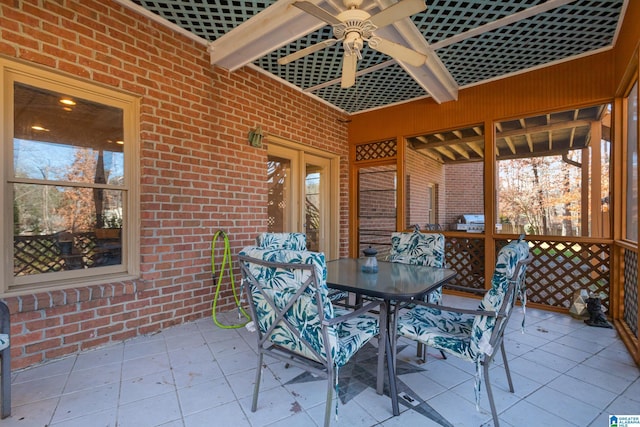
559,268
631,290
466,257
305,72
375,89
564,32
208,19
446,18
376,150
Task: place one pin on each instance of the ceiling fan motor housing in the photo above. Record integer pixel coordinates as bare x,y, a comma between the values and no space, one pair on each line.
354,20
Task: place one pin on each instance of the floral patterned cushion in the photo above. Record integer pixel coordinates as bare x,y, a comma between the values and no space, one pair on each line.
4,341
419,249
294,242
345,338
291,241
508,258
464,335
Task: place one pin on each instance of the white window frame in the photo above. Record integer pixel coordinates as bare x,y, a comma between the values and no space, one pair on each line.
13,71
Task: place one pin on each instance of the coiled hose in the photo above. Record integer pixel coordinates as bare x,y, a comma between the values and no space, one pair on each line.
226,263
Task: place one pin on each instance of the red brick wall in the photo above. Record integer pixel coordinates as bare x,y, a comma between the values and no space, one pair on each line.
198,172
465,190
422,171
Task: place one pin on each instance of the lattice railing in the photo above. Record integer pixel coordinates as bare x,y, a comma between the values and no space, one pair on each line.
36,254
559,269
630,300
465,255
43,254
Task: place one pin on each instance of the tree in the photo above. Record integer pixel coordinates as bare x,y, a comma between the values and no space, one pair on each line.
77,205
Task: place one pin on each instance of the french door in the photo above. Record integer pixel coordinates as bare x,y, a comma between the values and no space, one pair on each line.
301,185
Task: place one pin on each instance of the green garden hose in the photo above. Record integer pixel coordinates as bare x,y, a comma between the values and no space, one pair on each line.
226,262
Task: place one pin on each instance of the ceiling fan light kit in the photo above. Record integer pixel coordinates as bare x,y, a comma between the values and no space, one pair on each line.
355,26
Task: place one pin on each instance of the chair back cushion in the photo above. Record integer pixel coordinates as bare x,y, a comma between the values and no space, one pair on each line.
494,298
290,241
417,248
279,285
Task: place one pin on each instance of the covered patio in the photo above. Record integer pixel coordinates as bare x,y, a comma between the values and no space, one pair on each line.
186,129
565,374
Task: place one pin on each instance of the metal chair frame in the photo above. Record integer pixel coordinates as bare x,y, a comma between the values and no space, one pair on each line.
323,367
516,286
5,354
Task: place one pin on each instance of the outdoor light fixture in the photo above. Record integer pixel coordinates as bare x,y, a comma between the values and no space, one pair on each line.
255,137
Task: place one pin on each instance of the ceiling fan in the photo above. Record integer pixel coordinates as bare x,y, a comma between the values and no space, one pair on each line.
355,26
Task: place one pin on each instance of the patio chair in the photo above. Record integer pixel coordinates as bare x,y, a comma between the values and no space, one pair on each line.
296,322
474,335
291,241
419,249
5,354
296,242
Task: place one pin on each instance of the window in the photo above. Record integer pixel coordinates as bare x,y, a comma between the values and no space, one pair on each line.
553,173
69,200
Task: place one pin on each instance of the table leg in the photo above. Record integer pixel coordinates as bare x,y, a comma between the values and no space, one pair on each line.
393,389
384,347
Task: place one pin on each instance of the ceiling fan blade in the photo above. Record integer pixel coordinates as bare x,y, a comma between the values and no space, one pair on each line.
306,51
395,12
317,11
398,51
349,66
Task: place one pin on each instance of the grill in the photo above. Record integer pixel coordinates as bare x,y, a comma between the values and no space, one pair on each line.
471,223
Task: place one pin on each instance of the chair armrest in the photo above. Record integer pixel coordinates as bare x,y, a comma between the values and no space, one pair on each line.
5,319
355,313
475,312
465,289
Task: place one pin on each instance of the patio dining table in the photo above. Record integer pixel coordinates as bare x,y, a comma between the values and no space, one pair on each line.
393,282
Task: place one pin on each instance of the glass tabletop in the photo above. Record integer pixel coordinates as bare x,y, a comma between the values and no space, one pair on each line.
392,281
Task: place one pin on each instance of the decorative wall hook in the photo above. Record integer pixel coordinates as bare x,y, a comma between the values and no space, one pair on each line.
255,137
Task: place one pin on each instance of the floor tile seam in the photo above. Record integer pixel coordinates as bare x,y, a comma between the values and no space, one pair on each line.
614,372
146,373
152,396
545,410
573,363
624,394
66,383
15,374
631,363
87,389
55,410
144,355
229,381
615,395
257,422
85,414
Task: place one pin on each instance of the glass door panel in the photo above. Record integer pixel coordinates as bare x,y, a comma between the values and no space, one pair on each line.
279,200
299,198
316,206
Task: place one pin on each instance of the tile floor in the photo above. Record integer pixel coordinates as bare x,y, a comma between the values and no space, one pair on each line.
565,373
